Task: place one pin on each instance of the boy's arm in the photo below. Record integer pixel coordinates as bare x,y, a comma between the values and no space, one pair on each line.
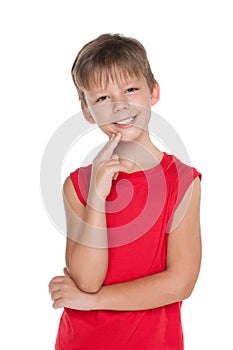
87,255
87,265
172,285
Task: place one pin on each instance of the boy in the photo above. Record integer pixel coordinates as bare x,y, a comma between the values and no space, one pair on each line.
133,233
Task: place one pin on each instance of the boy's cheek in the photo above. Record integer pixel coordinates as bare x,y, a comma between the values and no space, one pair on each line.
102,115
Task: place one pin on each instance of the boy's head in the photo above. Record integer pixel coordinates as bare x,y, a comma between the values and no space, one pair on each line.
110,57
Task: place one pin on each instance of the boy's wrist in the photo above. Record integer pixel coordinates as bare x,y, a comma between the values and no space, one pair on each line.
97,300
95,202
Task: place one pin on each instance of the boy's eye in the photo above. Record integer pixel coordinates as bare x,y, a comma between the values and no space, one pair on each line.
132,89
102,98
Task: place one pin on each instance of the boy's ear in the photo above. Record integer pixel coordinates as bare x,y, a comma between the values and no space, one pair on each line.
155,94
87,114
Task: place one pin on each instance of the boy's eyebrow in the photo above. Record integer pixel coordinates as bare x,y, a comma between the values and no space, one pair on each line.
104,88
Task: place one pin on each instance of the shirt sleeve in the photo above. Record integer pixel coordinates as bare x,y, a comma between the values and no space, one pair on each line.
81,179
182,192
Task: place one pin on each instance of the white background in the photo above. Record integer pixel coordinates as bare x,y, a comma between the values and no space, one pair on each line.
189,44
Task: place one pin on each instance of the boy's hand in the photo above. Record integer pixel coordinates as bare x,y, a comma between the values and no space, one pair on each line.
65,293
105,168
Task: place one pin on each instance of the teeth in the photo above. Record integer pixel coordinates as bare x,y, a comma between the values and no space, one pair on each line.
126,121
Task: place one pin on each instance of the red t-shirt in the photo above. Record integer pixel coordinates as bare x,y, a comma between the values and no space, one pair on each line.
139,211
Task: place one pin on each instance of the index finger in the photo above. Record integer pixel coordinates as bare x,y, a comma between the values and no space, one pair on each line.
109,147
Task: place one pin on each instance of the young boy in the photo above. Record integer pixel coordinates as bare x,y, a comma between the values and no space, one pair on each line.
133,233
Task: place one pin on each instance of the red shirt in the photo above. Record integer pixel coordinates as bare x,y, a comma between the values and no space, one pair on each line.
139,211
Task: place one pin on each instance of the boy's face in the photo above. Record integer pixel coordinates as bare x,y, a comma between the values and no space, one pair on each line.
121,106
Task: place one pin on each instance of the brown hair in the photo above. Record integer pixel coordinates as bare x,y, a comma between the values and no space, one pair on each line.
99,59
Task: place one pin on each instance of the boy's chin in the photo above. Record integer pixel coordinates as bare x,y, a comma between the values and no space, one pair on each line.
127,138
130,137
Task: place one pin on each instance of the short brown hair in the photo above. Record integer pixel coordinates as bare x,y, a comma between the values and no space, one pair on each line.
99,59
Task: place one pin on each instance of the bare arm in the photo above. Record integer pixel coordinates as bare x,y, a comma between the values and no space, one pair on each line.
87,264
172,285
87,253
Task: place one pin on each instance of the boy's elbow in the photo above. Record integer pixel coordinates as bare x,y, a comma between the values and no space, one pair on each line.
181,286
186,290
86,285
90,288
88,280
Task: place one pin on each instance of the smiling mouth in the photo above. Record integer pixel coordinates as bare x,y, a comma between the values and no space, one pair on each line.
126,121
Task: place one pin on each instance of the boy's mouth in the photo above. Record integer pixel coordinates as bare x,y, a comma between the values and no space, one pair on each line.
126,122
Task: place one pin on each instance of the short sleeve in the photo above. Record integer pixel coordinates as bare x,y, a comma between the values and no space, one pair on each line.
81,179
182,192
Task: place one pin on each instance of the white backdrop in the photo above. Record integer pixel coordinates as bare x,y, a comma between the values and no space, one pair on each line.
189,45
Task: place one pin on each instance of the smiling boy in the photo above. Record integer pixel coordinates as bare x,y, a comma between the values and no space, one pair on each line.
133,229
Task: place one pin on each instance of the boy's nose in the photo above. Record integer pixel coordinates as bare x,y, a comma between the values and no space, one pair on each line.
119,106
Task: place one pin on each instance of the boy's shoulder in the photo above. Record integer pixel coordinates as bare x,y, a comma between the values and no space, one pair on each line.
174,167
81,170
